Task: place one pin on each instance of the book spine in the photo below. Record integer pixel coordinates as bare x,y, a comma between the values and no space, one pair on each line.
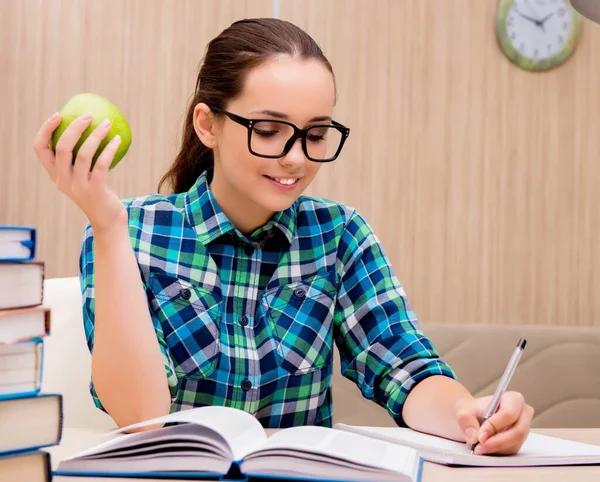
48,466
43,274
31,243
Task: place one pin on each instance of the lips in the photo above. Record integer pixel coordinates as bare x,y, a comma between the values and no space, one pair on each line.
284,181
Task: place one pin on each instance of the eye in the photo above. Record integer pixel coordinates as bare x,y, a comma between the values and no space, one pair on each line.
316,137
267,130
317,134
265,133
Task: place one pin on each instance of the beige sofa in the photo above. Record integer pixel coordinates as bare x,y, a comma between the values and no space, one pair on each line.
559,372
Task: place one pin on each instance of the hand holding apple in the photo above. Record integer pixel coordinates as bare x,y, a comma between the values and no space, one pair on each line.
79,147
101,109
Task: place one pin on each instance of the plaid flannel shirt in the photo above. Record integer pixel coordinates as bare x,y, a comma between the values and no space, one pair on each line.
250,321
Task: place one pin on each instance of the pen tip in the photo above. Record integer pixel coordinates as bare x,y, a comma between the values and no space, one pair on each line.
522,343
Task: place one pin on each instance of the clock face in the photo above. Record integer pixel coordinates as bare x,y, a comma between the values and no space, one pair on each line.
537,34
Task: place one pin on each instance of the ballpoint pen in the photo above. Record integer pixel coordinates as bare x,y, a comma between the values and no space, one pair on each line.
502,384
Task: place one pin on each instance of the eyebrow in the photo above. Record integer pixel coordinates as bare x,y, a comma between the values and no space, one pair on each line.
282,116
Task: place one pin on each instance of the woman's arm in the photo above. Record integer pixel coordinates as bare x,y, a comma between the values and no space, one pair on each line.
432,405
384,351
128,369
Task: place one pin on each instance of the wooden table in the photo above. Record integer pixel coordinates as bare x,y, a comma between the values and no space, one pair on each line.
75,440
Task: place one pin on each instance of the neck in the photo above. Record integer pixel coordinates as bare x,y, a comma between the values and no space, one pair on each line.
243,213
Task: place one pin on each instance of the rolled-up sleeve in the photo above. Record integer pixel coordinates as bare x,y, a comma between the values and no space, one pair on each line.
382,348
86,271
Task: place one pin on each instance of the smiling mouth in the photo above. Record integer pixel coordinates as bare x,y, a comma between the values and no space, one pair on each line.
284,181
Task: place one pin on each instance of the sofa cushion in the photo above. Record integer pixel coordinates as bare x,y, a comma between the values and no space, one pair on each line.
67,360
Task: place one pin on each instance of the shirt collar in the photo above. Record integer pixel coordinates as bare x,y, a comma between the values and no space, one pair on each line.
210,222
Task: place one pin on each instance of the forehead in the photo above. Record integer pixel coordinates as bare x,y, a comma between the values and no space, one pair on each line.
300,88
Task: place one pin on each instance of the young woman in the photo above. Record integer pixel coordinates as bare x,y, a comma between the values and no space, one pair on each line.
233,289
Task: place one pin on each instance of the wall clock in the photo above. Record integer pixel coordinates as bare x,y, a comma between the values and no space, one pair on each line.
537,34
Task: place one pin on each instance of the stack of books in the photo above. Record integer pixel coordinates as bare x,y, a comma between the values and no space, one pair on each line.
29,420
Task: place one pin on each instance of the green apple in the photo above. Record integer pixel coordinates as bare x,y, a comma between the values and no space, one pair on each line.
101,109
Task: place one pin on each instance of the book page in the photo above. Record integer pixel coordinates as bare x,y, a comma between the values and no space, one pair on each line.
241,430
341,446
132,443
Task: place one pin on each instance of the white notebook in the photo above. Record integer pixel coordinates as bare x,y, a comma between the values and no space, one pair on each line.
538,450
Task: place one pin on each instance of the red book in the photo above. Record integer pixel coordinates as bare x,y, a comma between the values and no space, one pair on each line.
22,324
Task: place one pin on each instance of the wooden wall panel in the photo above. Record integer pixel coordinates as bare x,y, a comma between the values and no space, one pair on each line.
141,54
480,179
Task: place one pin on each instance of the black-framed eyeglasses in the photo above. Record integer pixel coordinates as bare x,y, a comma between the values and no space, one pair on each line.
273,139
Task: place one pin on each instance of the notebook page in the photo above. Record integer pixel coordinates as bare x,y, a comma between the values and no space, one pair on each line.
536,451
538,447
241,430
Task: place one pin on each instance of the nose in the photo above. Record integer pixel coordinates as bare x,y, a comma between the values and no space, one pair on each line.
295,158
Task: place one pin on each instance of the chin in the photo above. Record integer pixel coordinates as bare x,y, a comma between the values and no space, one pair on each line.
275,205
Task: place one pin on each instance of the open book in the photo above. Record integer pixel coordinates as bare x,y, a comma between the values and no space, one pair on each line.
221,442
538,450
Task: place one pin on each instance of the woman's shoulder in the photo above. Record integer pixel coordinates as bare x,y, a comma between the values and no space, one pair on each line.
155,201
330,215
307,205
138,208
326,211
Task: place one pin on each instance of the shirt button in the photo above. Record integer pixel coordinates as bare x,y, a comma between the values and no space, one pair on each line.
299,293
248,250
185,294
246,385
243,320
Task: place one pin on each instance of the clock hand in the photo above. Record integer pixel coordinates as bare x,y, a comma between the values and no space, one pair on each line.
531,19
543,21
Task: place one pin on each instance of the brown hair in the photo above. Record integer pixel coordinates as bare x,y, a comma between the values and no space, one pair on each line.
239,48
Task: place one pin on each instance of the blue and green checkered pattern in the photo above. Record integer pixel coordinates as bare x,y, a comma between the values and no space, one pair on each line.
250,321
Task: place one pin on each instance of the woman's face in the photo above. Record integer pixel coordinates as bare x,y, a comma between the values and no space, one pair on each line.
298,91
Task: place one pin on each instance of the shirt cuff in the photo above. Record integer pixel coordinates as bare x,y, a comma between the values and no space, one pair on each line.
399,382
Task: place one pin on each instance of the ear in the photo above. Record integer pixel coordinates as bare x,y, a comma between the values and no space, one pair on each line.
204,125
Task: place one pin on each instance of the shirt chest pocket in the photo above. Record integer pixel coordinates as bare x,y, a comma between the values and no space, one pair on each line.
190,317
300,315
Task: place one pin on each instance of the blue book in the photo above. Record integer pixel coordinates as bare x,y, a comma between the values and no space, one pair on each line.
21,368
30,423
17,243
223,443
26,467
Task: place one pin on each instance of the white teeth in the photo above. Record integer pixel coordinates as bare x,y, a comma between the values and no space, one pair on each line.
286,182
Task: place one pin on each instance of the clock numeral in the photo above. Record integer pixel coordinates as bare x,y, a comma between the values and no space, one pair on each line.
549,47
560,39
562,11
536,53
565,25
510,21
522,48
513,35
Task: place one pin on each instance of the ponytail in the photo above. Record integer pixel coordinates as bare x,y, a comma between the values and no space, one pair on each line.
193,159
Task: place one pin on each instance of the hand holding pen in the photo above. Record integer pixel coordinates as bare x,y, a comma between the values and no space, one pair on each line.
498,424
